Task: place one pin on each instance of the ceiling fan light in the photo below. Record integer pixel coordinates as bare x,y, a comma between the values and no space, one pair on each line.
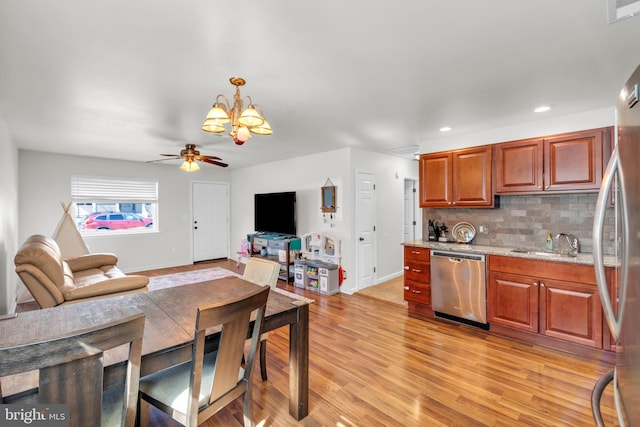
213,126
263,129
190,166
250,117
218,112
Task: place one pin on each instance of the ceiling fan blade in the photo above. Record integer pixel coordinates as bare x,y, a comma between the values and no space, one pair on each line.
164,160
171,155
214,162
203,158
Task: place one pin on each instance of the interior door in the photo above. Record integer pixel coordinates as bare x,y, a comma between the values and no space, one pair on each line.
210,220
366,240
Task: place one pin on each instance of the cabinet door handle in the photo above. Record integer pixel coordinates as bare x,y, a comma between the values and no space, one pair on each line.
535,283
406,288
541,285
406,267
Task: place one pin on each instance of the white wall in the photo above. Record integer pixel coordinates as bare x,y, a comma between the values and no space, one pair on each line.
8,220
389,172
45,180
306,175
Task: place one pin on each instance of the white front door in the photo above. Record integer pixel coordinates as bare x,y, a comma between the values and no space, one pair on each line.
210,220
365,234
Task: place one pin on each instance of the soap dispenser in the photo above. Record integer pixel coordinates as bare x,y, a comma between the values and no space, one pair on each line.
549,244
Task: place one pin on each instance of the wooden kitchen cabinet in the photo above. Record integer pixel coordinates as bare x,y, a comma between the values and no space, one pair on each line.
460,178
570,162
553,299
417,281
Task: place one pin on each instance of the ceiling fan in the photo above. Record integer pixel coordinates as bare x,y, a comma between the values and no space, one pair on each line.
190,156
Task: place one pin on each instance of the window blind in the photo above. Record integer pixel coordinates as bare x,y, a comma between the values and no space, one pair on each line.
104,189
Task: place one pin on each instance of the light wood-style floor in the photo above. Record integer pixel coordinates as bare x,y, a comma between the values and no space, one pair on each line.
371,365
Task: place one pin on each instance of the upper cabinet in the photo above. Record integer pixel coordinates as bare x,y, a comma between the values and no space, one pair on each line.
572,162
460,178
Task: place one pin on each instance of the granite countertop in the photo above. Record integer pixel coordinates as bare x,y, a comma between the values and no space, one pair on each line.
582,258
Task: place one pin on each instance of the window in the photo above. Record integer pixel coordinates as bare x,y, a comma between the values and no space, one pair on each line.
103,205
622,9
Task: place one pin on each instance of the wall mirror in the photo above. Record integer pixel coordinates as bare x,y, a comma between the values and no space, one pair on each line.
328,198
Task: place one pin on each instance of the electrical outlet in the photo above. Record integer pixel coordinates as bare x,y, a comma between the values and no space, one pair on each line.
483,229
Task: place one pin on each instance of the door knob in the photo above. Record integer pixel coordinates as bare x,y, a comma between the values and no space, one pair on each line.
362,239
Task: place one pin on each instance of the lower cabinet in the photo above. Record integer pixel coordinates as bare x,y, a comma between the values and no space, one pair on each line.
551,299
417,281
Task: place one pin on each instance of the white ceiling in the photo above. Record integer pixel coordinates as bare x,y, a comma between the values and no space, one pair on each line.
130,79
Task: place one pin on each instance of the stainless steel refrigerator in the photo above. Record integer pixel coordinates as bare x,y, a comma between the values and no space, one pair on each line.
621,186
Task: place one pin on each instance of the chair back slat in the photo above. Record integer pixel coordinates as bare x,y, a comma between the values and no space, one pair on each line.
234,317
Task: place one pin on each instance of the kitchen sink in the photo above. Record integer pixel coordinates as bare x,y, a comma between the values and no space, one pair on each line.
538,252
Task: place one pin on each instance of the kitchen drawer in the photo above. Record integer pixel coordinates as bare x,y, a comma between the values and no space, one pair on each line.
417,292
417,271
416,254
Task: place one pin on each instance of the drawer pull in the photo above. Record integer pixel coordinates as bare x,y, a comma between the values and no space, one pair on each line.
416,271
416,252
415,291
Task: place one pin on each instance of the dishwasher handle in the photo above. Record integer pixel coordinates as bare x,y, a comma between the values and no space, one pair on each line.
458,256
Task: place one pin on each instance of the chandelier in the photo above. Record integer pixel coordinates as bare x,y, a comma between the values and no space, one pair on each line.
243,122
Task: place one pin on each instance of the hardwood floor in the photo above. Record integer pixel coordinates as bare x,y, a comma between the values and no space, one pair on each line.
391,291
371,365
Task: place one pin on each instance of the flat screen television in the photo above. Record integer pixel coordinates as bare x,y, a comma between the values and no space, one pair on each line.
275,213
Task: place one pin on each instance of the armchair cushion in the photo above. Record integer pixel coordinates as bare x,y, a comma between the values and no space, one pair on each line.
53,281
86,262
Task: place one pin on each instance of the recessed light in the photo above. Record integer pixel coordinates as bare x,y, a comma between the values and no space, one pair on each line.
542,109
445,129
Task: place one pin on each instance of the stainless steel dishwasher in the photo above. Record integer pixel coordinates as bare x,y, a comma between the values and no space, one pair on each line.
458,287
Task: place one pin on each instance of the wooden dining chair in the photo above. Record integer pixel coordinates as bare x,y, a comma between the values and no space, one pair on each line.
71,372
262,272
194,391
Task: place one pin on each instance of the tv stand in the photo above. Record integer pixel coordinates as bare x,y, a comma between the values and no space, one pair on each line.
280,248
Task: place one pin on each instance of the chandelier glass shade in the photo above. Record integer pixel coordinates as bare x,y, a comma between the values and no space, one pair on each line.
242,122
190,165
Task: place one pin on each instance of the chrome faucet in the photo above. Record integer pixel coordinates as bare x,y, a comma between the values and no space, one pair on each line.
572,240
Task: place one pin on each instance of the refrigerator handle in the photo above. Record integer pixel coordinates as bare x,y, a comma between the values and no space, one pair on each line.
598,222
596,395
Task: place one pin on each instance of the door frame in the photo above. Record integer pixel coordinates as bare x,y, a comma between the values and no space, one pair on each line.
417,211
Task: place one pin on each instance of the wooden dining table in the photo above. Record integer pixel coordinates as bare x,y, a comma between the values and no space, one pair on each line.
169,324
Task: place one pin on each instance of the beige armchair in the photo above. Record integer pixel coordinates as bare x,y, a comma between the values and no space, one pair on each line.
53,281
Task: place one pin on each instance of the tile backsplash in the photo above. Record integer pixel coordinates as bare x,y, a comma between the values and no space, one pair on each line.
526,220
